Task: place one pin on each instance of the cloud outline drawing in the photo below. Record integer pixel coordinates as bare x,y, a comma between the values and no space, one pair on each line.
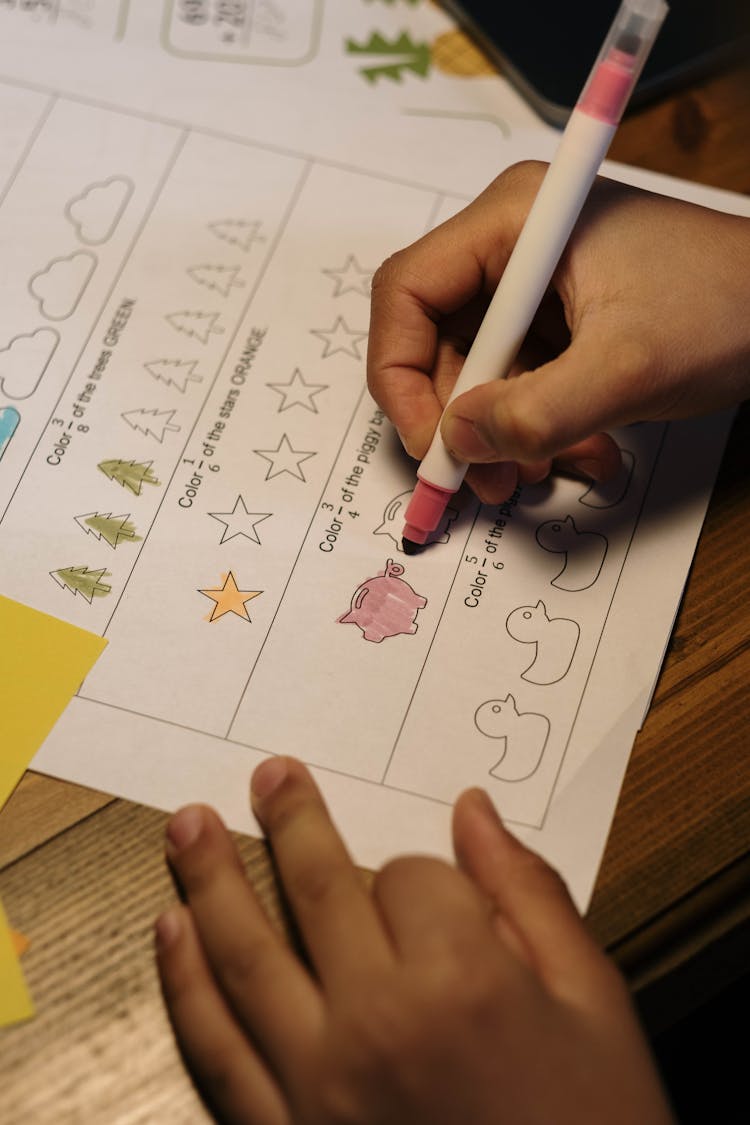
24,374
57,292
92,222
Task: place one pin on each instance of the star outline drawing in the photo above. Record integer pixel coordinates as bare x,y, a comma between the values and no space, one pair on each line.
292,393
250,519
287,453
335,339
350,278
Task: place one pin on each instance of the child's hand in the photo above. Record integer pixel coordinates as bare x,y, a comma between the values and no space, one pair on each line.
646,319
440,996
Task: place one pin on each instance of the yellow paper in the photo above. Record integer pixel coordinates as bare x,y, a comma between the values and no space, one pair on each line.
42,664
15,1001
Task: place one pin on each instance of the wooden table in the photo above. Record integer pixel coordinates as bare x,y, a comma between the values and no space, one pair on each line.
82,874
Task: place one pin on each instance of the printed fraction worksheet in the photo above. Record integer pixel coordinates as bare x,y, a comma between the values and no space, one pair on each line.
191,465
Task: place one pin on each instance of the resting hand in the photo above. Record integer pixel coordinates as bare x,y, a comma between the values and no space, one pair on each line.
437,996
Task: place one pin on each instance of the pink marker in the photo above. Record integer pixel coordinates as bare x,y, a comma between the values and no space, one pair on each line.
558,204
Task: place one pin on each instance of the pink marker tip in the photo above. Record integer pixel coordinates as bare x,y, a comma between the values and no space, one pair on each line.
425,511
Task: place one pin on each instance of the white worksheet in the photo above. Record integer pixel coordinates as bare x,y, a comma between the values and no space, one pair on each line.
191,212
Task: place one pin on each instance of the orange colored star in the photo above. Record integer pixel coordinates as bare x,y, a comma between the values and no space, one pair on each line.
230,599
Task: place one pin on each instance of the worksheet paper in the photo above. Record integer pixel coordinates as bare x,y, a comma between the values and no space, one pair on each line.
191,211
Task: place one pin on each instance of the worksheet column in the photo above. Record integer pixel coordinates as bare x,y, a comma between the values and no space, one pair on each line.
211,577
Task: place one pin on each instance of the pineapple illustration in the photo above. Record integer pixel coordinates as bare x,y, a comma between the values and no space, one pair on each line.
455,53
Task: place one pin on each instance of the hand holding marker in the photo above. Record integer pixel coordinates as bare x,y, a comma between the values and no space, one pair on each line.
548,226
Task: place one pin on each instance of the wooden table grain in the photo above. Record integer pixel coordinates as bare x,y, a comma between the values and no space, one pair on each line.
82,874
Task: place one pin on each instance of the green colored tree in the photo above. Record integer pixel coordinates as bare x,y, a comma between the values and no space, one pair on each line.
130,474
402,53
80,580
112,529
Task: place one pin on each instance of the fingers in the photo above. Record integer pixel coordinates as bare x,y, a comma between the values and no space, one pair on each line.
452,270
427,302
335,913
587,389
266,987
534,900
493,483
598,457
404,347
431,909
229,1074
626,340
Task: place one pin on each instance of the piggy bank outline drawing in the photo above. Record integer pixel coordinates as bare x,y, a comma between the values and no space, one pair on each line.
393,519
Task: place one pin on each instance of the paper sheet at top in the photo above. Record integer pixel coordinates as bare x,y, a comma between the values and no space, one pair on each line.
15,1001
384,86
42,663
192,466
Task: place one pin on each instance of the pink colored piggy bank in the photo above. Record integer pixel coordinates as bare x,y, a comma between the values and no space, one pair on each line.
384,606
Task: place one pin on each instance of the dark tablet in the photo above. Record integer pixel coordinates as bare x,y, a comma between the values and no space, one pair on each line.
546,48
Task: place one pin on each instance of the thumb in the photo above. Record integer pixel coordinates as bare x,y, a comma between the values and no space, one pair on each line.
537,415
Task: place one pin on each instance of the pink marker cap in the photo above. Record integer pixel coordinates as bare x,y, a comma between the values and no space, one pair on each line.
621,59
607,93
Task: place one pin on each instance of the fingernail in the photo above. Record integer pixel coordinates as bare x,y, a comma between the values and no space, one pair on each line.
405,442
484,805
268,777
589,468
184,828
464,441
168,927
